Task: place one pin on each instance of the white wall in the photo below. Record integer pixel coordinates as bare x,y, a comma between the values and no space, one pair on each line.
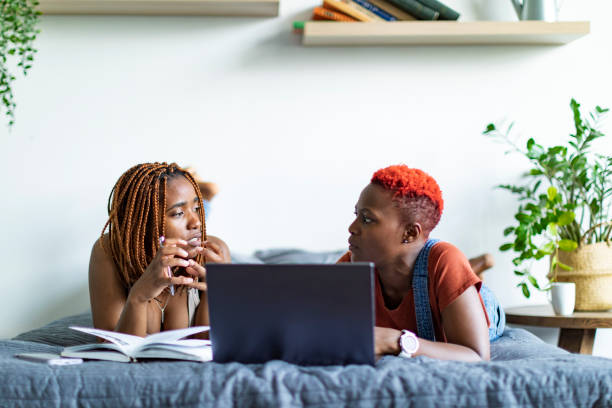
291,134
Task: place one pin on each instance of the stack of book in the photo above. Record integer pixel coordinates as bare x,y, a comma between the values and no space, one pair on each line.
383,10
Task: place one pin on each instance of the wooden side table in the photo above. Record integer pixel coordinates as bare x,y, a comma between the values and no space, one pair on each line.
577,333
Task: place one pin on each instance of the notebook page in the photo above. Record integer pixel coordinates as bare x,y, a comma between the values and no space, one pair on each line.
125,342
171,336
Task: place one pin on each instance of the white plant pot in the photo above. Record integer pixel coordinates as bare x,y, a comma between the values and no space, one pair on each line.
563,297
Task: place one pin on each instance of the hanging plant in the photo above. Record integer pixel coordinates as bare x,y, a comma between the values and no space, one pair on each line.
18,20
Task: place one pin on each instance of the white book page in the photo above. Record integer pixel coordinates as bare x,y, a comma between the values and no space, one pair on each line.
126,343
192,353
94,346
97,354
171,336
178,343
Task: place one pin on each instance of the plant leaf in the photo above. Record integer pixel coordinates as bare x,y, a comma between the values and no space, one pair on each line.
548,248
525,289
566,218
530,143
567,245
533,281
523,218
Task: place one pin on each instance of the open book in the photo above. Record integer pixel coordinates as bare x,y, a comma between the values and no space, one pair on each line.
126,348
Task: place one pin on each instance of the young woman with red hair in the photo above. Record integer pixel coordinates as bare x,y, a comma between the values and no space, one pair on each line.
427,297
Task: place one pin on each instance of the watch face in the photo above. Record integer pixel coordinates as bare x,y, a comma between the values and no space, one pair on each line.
409,343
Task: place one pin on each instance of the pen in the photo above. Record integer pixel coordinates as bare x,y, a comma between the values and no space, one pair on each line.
168,271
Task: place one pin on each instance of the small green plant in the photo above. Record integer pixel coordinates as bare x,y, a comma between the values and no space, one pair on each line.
565,201
18,20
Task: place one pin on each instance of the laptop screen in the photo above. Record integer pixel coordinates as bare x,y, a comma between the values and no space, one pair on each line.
302,314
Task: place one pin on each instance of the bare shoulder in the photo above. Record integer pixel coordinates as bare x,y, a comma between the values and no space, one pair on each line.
221,244
216,240
106,293
101,265
99,255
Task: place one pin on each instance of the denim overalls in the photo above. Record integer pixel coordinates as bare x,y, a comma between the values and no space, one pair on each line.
422,306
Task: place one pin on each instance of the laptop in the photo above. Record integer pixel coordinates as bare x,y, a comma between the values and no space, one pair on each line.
303,314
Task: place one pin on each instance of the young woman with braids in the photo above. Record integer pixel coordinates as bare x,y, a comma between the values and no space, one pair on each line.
129,279
428,299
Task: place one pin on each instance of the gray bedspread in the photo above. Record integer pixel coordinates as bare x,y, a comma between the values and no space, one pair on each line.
524,371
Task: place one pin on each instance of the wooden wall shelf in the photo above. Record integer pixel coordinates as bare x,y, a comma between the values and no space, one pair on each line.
252,8
444,33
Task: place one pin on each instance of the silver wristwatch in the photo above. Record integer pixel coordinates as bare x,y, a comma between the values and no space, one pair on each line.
409,344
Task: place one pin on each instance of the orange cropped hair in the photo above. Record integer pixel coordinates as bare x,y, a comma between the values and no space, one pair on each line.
416,190
136,217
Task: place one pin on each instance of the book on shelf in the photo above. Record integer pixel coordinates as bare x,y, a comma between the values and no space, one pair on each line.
416,9
367,4
446,13
391,9
298,27
321,13
121,347
349,7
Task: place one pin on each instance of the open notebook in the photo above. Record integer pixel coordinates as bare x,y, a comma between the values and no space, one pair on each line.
125,348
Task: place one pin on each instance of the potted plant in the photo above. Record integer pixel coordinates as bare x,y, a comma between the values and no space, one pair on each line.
564,212
18,20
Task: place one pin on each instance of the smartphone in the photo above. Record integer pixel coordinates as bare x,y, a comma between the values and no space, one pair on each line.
49,358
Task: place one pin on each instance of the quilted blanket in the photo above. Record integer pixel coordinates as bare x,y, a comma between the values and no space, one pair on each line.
524,371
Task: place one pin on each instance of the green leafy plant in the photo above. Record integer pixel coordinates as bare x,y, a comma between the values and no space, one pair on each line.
565,200
18,20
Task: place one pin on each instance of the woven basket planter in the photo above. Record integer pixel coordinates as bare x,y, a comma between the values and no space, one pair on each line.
592,273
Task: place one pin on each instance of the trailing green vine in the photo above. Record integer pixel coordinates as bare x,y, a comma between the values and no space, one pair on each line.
18,21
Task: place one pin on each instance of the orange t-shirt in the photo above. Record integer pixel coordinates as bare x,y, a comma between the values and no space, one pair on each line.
450,274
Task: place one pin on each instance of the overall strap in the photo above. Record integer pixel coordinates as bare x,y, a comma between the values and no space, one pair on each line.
420,289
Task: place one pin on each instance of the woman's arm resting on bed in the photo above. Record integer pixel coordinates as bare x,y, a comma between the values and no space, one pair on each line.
466,331
465,326
108,297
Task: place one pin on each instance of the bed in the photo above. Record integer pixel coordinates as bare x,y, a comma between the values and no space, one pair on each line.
524,371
